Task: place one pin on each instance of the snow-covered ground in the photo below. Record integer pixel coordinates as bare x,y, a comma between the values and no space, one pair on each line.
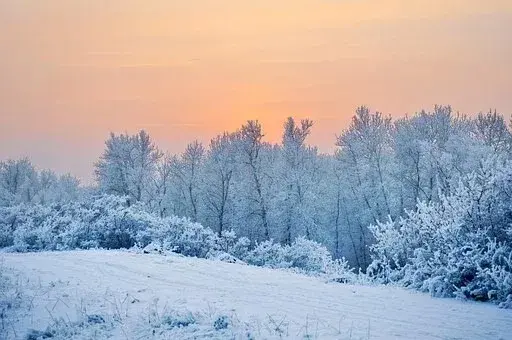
128,295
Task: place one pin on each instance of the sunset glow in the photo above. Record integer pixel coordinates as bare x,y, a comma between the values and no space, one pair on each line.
74,70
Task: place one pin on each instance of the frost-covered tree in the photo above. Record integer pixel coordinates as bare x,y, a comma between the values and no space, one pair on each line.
69,188
127,166
324,205
366,158
186,171
21,183
160,202
433,150
192,161
295,174
251,149
492,129
220,167
18,182
240,183
57,189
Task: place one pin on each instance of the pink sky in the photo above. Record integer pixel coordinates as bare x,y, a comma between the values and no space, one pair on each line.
74,70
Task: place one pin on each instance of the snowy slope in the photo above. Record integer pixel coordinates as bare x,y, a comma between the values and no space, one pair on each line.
63,284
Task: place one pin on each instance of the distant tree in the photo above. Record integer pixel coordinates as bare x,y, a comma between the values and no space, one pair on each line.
251,146
434,149
21,183
219,171
162,186
128,166
366,158
187,171
18,182
68,188
492,129
294,176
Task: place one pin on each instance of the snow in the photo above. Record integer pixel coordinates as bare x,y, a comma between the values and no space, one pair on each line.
128,284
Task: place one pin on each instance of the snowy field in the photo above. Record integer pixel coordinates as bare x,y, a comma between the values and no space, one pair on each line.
127,295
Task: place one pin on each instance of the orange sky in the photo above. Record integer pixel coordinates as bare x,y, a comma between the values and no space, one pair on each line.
73,70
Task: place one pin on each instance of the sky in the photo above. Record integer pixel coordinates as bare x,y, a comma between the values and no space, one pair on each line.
72,71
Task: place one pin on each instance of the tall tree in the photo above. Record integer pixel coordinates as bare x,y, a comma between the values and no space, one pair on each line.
251,145
187,170
492,129
365,151
220,168
128,166
296,155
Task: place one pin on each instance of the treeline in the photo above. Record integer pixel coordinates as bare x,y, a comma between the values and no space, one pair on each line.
21,183
423,201
264,191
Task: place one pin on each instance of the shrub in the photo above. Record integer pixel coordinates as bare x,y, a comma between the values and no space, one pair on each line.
111,222
339,270
456,247
267,254
307,255
303,254
181,236
241,248
106,222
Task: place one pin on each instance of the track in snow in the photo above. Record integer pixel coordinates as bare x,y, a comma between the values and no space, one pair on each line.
334,311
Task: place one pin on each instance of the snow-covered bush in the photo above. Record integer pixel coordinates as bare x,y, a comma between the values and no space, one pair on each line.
303,254
339,270
227,240
507,303
458,246
190,239
112,222
8,222
241,248
230,248
107,222
32,227
307,255
179,235
267,254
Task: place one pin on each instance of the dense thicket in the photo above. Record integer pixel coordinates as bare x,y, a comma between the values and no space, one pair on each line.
458,246
263,191
112,222
431,175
